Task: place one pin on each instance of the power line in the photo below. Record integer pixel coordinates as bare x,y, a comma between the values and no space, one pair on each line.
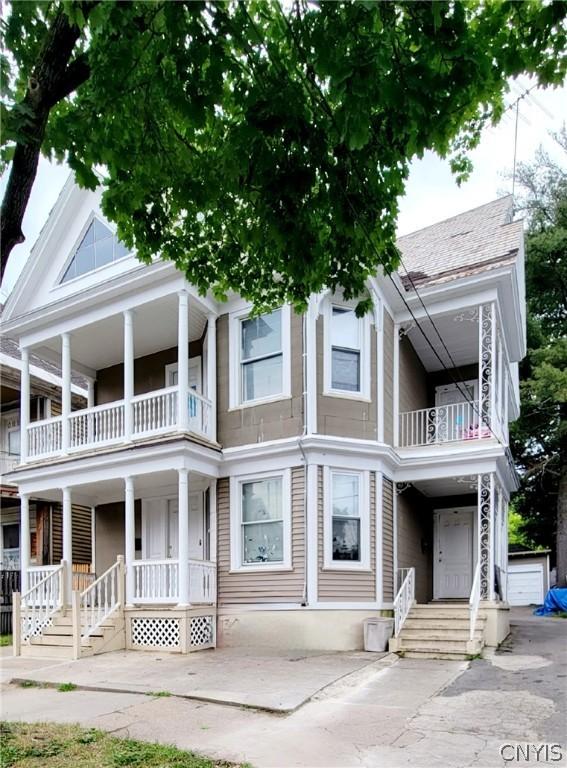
321,97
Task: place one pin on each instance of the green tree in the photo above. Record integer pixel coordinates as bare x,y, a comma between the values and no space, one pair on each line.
539,437
261,149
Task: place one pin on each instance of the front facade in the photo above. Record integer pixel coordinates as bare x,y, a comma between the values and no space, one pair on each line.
277,479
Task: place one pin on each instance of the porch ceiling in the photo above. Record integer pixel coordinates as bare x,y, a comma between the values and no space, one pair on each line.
459,331
101,344
446,486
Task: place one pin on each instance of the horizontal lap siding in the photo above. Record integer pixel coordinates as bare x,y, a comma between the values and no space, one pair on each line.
388,539
415,541
269,586
341,585
388,378
413,379
82,532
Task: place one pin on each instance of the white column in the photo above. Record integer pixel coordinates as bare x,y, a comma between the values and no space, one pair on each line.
213,521
396,384
68,544
128,373
212,373
183,546
90,393
310,353
65,390
183,360
24,407
379,327
130,537
312,553
24,540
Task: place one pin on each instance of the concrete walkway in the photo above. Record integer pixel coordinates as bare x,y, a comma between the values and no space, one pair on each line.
410,713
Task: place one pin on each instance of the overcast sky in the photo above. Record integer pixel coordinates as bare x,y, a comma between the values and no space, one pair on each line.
431,193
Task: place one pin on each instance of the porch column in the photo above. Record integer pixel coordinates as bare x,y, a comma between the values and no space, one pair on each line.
183,360
486,366
128,373
310,353
396,384
90,393
24,540
24,407
130,538
65,391
68,544
212,373
486,492
183,536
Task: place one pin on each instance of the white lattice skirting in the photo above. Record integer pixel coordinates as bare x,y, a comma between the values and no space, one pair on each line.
202,632
156,633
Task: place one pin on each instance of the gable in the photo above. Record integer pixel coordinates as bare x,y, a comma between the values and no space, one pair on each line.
76,249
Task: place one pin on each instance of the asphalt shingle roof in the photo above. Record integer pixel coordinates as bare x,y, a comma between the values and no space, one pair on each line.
470,242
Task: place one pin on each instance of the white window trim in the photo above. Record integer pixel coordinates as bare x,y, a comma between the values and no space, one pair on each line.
236,564
364,393
195,363
364,502
235,378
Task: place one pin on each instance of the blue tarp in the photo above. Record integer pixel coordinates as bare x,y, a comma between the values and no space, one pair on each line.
555,602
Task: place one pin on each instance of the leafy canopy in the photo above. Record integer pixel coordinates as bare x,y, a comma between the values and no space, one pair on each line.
264,149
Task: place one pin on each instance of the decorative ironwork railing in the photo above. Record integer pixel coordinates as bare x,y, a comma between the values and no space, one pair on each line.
474,601
442,424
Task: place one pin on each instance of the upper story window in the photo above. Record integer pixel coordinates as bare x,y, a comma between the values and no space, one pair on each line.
347,353
260,358
98,247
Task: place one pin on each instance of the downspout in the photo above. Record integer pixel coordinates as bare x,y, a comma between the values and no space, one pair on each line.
300,444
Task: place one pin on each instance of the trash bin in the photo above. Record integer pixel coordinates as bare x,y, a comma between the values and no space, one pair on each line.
377,632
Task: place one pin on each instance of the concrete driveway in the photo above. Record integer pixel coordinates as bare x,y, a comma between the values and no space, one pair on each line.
409,713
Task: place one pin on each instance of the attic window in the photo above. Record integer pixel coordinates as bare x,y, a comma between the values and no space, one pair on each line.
98,247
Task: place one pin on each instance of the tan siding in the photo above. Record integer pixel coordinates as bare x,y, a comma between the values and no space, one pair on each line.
258,423
342,585
413,379
388,539
342,416
56,408
149,374
82,549
388,379
415,541
270,586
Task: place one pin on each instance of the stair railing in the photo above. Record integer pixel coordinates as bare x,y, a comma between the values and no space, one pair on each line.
404,599
97,602
34,609
474,601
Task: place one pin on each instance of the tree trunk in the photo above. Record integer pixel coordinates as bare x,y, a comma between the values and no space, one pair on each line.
54,77
561,541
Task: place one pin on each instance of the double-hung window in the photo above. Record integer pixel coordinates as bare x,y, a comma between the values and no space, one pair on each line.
261,356
347,530
260,524
347,353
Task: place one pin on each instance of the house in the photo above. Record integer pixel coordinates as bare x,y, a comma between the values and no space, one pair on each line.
45,527
273,480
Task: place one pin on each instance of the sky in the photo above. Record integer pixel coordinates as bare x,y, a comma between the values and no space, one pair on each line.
431,193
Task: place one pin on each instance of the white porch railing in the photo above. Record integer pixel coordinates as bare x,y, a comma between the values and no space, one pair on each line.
101,425
45,437
37,573
152,413
474,600
404,599
157,581
37,606
99,600
7,462
442,424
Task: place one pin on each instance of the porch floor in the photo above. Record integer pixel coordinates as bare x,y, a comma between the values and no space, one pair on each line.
262,678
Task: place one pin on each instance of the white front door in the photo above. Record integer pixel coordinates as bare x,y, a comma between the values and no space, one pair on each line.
195,527
195,375
159,529
458,419
453,565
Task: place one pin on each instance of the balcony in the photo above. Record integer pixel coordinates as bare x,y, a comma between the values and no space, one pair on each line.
442,424
152,414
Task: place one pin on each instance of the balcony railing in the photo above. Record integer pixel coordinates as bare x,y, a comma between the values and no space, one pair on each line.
157,581
442,424
153,413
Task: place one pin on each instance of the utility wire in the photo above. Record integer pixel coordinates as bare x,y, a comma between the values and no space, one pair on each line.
321,97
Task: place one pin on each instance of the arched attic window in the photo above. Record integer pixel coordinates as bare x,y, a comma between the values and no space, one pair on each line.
98,247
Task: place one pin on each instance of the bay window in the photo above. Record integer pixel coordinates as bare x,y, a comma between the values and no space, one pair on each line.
347,353
347,519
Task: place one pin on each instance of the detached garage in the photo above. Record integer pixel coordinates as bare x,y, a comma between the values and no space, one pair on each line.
528,577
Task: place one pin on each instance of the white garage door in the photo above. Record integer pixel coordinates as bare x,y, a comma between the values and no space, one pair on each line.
525,584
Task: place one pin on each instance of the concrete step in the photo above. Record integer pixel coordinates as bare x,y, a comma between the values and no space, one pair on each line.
439,634
444,656
441,646
437,623
420,612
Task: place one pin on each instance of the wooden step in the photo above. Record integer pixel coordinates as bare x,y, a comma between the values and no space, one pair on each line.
439,623
439,634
